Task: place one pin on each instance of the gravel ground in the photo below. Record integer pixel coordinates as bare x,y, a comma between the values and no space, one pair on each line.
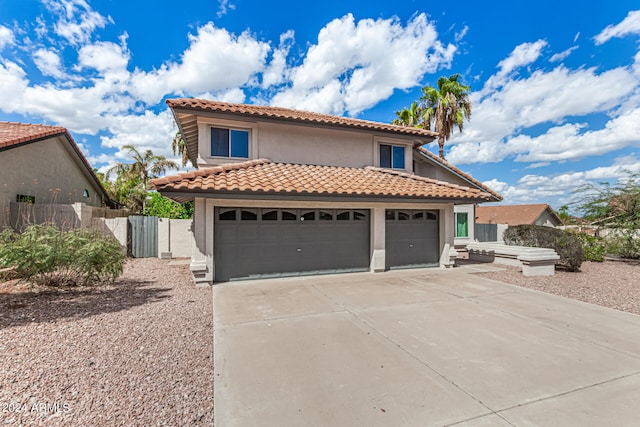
611,284
138,353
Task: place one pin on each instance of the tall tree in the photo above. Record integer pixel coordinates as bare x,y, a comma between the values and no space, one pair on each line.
411,116
446,107
145,165
132,179
179,147
440,109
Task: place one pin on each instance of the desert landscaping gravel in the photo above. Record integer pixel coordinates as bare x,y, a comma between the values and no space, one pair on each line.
137,353
613,284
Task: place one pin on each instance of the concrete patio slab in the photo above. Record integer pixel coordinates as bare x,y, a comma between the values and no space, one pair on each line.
418,348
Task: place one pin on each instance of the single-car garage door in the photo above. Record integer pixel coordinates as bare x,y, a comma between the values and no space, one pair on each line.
411,238
264,242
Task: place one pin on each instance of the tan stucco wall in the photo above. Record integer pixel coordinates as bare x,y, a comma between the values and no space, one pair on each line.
300,144
48,170
430,170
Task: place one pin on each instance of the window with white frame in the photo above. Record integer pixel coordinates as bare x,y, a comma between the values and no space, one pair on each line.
229,142
392,156
462,224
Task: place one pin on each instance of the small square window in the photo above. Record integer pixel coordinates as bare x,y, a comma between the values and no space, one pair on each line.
391,156
229,143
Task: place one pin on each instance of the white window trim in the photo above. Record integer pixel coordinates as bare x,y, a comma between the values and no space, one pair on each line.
204,140
408,152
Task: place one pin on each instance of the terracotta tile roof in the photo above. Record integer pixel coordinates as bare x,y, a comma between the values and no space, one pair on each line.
295,115
264,176
12,133
463,175
513,214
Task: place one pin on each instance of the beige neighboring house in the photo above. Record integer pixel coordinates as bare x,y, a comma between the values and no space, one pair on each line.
283,192
538,214
42,165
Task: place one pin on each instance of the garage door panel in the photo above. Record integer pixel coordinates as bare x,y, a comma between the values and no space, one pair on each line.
412,238
245,248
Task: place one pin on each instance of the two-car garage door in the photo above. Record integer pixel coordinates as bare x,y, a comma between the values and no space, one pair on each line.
263,242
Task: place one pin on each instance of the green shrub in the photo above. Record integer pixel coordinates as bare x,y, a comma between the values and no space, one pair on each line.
45,255
593,248
566,244
624,244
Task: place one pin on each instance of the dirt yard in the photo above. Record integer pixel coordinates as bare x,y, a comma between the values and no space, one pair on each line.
612,284
136,353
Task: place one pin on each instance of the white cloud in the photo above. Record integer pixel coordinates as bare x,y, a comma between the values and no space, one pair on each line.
355,65
523,54
501,113
276,72
561,56
48,62
6,37
629,25
460,35
76,20
224,6
104,57
216,60
554,189
148,131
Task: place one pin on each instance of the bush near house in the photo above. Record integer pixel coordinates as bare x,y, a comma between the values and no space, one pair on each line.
566,244
625,243
45,255
593,248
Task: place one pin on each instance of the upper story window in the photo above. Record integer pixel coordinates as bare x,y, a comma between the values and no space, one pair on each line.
392,156
229,143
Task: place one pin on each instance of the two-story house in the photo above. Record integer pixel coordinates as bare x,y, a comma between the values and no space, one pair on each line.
285,192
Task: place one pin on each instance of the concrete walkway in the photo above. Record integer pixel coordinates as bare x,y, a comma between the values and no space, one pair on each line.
425,347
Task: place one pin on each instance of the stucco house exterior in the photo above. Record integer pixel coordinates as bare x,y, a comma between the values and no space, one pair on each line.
43,165
286,192
534,214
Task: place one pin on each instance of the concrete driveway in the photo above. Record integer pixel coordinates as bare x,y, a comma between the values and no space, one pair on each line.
419,348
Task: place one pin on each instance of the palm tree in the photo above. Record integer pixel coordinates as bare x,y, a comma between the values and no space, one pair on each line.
446,107
411,116
179,147
145,165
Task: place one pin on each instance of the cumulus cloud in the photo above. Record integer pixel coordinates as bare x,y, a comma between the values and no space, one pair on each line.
502,114
6,37
522,55
216,60
76,20
533,188
48,62
629,25
355,65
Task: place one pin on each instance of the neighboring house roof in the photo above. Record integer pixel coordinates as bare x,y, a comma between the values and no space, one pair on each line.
13,134
265,177
443,163
188,126
513,214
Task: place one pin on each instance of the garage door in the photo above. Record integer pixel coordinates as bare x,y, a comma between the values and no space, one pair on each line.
281,242
411,238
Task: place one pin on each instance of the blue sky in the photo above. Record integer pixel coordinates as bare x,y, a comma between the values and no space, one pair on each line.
555,84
